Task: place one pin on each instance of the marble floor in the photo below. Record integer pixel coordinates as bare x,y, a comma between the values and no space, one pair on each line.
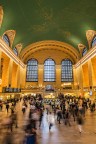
59,134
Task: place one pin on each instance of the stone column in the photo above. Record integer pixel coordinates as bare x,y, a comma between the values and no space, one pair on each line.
18,77
10,72
79,74
90,72
0,65
0,72
75,85
40,75
90,76
58,76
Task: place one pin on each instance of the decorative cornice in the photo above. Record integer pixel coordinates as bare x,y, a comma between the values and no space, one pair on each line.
84,59
90,35
49,44
19,47
4,48
81,47
1,15
54,50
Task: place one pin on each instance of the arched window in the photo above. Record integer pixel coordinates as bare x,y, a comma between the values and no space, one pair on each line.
32,70
15,51
66,71
6,39
94,42
49,70
84,51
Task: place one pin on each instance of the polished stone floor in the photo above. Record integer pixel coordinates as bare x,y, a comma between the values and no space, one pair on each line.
59,134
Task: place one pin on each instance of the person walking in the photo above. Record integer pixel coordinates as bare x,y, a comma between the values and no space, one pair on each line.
50,120
30,137
67,117
80,122
59,116
7,107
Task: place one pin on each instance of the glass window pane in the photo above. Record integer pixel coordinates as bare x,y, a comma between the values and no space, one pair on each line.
15,51
66,71
32,70
6,39
49,70
84,51
94,42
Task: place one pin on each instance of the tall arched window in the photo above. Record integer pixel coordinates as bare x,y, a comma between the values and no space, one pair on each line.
32,70
94,42
15,51
84,51
49,70
66,71
6,39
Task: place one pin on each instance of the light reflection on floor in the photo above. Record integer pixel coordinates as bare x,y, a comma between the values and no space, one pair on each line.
59,134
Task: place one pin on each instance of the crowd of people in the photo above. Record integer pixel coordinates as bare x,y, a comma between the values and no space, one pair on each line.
64,109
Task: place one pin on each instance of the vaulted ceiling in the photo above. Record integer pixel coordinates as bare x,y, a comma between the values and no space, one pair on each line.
37,20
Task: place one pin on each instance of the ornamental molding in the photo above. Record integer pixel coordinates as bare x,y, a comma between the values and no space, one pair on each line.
64,47
81,47
1,15
19,47
91,53
55,51
90,35
9,52
11,35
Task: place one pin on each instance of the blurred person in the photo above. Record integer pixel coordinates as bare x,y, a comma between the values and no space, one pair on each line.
32,106
40,117
47,107
31,121
23,108
1,125
80,108
59,116
27,125
35,118
7,123
14,119
80,122
12,108
20,99
30,137
7,107
67,117
35,115
1,105
8,138
50,120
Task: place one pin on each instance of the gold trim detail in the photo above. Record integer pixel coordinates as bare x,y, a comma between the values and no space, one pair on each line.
49,44
1,15
81,47
90,35
19,47
4,48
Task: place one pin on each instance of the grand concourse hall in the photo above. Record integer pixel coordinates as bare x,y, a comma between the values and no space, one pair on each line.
48,48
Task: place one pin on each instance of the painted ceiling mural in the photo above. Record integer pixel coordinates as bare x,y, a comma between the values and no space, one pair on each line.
37,20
